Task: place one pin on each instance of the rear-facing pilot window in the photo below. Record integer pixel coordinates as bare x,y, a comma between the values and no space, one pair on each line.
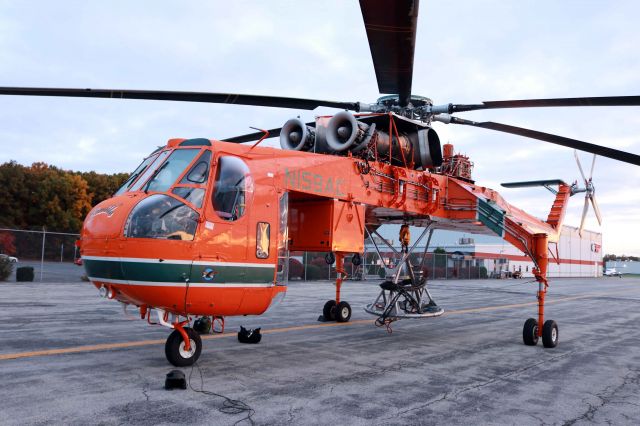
232,186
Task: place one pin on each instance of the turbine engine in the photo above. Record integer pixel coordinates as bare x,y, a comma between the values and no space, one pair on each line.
416,145
297,136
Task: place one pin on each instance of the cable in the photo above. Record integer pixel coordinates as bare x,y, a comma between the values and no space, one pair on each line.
229,406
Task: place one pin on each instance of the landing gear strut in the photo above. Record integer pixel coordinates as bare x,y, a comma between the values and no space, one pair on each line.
532,330
337,310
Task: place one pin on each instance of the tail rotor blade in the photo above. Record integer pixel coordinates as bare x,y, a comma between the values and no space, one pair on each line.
575,154
596,209
593,163
584,215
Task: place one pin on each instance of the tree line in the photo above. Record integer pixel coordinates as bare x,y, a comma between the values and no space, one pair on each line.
623,258
43,195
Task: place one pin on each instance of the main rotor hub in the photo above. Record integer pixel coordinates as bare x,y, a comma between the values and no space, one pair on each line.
419,107
390,101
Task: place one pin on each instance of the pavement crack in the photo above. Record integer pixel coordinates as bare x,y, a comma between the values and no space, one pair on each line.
145,386
291,415
606,397
541,422
449,396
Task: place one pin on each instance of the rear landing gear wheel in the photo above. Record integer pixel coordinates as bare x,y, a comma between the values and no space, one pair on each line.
530,332
329,310
343,312
175,350
550,334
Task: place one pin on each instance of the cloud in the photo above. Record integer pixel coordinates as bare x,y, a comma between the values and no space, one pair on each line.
466,51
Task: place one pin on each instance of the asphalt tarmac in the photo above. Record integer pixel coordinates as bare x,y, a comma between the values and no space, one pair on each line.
69,357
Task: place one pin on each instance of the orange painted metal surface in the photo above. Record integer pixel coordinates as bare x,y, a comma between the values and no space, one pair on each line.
215,269
338,226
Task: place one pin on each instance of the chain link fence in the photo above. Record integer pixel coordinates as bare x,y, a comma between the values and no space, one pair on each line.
311,266
51,254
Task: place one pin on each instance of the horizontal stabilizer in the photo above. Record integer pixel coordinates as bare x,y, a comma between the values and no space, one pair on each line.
533,183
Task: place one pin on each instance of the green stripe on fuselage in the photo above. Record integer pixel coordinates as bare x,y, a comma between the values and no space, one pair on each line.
175,272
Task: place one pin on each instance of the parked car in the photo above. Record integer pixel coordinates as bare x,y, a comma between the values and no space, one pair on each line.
12,259
611,272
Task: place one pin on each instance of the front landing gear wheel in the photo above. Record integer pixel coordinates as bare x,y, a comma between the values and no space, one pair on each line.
550,334
175,350
343,312
530,332
329,310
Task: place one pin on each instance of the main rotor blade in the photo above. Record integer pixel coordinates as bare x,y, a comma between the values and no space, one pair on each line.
391,31
164,95
546,103
575,154
596,209
253,136
604,151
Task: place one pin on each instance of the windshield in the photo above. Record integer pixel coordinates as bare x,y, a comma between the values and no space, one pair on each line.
136,173
149,171
169,172
161,216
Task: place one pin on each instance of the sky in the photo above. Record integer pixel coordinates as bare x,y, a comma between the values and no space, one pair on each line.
466,52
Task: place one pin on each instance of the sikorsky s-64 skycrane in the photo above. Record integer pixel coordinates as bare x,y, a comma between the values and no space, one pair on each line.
202,229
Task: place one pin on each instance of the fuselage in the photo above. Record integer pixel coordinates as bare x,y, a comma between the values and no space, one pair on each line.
204,227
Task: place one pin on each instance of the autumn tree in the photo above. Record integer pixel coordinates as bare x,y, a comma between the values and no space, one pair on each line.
43,195
102,186
7,243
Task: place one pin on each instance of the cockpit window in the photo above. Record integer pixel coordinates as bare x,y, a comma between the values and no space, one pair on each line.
199,171
136,174
192,195
161,216
168,172
232,185
149,171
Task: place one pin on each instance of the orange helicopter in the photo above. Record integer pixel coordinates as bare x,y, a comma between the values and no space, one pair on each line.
202,229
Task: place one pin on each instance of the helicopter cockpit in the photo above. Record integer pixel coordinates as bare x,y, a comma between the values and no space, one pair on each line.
172,211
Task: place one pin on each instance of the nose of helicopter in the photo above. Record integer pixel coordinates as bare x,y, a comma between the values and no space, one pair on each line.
107,219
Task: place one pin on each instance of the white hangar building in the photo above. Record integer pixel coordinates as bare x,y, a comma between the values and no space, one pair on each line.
573,256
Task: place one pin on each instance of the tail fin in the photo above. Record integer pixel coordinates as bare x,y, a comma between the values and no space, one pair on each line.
559,207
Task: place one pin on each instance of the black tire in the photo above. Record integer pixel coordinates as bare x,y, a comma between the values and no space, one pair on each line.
329,258
550,334
329,310
343,312
174,348
356,259
530,332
